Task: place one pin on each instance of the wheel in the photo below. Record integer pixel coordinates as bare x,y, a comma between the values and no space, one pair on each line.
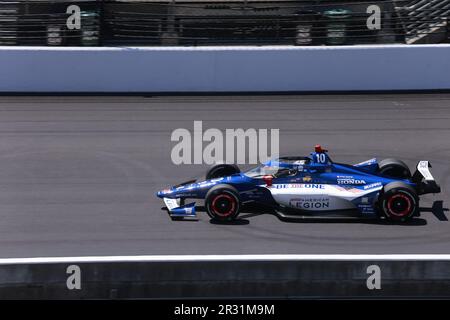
398,202
394,168
222,170
222,203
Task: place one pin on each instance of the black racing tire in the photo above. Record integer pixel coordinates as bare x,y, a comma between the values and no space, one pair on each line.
222,203
394,168
222,170
398,202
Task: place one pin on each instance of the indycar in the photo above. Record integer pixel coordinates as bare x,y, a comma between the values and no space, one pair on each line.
302,187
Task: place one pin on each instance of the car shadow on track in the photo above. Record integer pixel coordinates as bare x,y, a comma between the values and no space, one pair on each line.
437,210
374,221
237,222
254,210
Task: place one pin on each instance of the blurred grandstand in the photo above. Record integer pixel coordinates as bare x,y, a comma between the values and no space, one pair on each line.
212,22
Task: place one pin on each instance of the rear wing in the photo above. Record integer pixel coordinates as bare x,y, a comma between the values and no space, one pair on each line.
424,180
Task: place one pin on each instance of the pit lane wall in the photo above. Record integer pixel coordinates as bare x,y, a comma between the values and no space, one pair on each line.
224,69
178,277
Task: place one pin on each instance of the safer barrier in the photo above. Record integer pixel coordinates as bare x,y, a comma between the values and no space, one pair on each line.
224,69
252,276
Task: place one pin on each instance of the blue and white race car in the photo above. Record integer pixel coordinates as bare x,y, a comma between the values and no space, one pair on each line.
314,186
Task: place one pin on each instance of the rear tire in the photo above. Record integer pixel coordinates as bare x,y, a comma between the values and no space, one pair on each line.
222,203
398,202
222,170
394,168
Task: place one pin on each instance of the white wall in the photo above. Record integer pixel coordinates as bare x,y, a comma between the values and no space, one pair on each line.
216,69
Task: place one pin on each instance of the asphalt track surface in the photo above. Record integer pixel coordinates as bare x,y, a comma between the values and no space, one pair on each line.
78,174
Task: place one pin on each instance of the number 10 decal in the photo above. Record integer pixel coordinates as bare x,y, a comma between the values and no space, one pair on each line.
321,158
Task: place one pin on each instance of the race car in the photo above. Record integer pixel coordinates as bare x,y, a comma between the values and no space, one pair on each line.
302,187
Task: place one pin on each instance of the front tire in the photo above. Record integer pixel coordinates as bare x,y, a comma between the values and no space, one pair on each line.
398,202
222,170
222,203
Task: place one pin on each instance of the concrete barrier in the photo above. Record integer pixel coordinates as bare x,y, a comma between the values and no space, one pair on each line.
224,69
284,276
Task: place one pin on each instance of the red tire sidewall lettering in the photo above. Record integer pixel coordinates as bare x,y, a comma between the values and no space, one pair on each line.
220,195
228,197
400,194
